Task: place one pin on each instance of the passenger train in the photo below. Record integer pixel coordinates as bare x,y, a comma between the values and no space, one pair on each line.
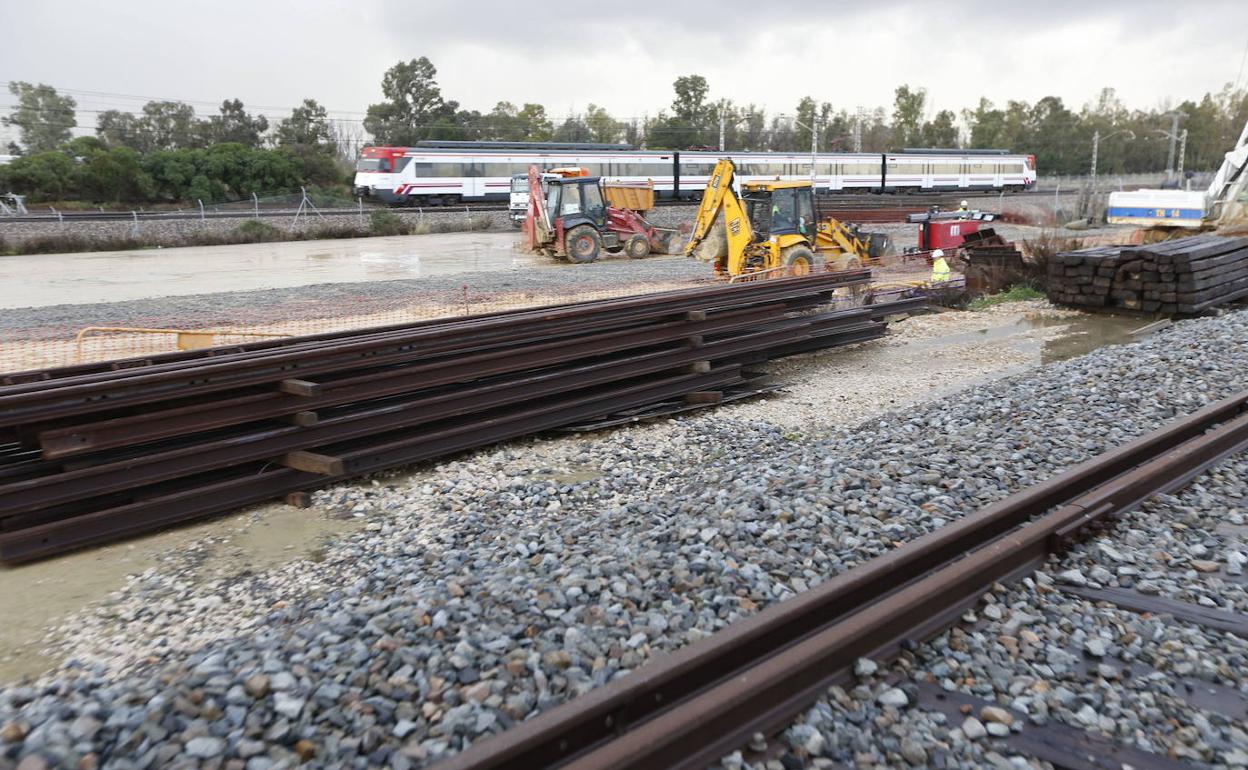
446,173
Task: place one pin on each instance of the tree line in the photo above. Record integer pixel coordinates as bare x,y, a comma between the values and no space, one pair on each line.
166,152
1061,137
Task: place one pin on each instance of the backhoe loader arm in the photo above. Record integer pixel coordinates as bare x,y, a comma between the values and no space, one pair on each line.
720,196
719,185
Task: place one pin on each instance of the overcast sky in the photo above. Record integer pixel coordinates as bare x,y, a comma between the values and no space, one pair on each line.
623,56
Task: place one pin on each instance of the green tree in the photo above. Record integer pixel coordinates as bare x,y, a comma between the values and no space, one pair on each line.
171,126
307,126
43,176
941,131
806,112
573,129
690,102
43,117
908,107
122,129
537,127
754,135
113,175
235,125
986,124
602,126
413,105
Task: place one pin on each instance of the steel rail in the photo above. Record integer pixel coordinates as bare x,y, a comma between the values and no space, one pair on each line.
133,471
690,708
172,419
34,499
252,486
157,423
146,383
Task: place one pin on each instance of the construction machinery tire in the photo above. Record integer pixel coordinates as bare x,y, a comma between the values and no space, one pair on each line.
583,243
800,260
637,247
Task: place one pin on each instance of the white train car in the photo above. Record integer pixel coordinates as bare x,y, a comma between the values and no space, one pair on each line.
447,173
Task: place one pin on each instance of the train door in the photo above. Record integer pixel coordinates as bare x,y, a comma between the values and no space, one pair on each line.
474,179
926,169
997,181
836,180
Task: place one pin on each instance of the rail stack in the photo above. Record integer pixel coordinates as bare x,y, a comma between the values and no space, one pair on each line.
1187,275
98,452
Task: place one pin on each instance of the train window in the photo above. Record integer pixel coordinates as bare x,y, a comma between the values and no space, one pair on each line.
860,169
400,164
946,168
499,169
446,169
982,168
373,164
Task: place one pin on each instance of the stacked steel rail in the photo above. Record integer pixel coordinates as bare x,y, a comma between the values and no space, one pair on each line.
688,709
101,451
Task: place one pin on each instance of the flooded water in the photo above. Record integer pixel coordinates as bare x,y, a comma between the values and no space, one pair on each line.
1074,336
44,593
113,276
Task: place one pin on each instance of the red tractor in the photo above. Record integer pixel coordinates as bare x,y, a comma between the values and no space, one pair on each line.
570,218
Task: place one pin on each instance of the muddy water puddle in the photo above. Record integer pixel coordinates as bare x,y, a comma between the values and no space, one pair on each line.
1049,338
35,598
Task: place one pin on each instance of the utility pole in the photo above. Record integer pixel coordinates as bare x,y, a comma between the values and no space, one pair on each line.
1182,152
1175,117
1096,143
722,122
814,150
858,130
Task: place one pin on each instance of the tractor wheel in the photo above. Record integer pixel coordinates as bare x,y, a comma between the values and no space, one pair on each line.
584,244
637,247
800,260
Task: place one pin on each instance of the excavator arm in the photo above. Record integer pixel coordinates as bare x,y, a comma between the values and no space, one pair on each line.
538,232
1228,184
720,199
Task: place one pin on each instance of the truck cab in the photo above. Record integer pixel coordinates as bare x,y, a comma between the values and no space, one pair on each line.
518,200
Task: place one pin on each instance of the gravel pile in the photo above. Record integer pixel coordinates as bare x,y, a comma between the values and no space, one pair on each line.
509,581
256,308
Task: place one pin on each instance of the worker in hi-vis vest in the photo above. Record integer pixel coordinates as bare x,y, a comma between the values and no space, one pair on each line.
940,268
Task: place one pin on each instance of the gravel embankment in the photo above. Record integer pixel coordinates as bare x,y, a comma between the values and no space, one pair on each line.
513,579
270,306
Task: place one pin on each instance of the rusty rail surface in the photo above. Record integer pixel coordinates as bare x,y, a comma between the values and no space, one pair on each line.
690,708
94,453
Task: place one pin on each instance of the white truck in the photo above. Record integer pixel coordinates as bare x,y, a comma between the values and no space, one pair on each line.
518,201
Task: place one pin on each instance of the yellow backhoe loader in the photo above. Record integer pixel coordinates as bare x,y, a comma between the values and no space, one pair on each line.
771,225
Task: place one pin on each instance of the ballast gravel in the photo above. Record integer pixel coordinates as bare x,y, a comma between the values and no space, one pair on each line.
1041,655
508,581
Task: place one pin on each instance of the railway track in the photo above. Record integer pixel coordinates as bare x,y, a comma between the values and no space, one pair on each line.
101,451
851,202
697,705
